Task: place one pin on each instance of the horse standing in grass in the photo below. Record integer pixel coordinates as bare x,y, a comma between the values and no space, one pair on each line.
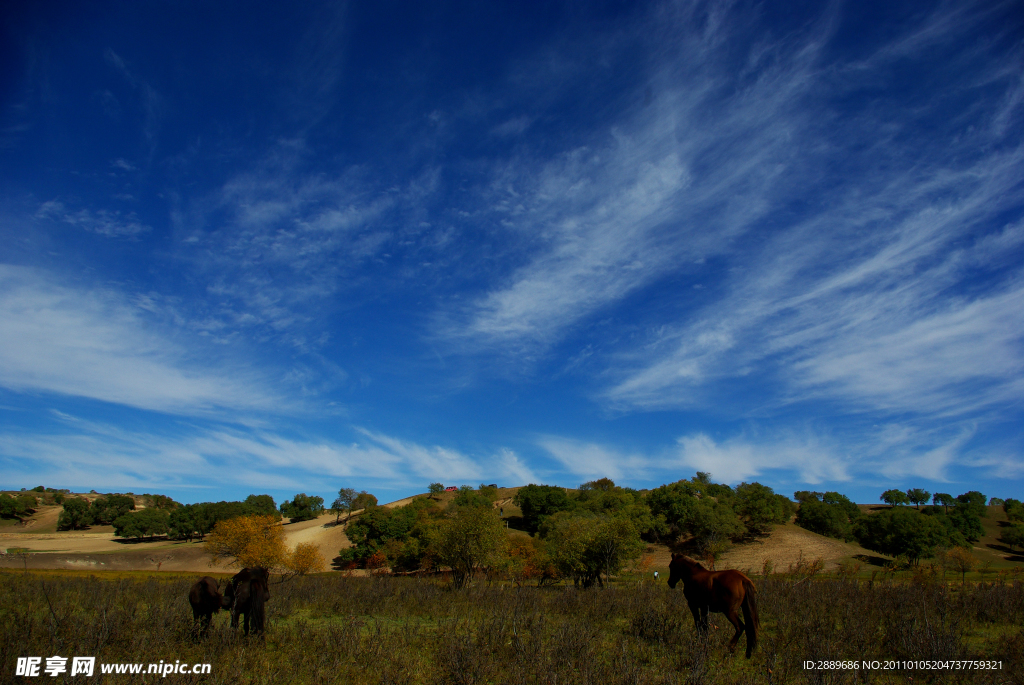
246,594
723,592
206,600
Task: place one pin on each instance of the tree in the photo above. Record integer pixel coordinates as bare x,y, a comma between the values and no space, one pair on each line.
961,560
149,521
760,507
303,507
825,519
894,497
973,502
587,547
263,505
181,523
435,489
1013,536
682,509
468,538
343,503
248,541
802,496
17,507
105,509
943,498
364,501
540,501
1013,509
468,497
76,515
918,496
306,558
899,531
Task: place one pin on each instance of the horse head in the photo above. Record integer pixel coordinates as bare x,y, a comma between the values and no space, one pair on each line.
682,568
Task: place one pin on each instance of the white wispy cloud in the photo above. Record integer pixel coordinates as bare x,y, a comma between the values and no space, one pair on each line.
654,192
92,343
96,454
105,222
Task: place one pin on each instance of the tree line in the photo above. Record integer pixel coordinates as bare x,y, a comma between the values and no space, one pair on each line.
901,531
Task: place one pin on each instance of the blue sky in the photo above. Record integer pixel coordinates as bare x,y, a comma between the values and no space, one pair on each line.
251,249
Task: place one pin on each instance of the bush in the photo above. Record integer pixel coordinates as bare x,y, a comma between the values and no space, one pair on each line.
901,532
75,516
303,507
537,502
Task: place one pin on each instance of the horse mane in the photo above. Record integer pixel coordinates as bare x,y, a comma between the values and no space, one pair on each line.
689,560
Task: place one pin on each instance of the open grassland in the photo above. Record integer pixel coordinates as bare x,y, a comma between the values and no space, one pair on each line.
332,628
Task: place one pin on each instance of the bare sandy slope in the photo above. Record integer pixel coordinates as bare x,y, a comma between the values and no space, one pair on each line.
328,537
785,546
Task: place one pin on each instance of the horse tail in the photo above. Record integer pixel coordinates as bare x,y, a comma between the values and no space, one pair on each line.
257,596
750,614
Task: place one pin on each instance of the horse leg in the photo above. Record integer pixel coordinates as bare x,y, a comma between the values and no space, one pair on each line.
700,620
734,619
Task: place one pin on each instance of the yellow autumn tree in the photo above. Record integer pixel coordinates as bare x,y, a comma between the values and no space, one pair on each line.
248,541
306,559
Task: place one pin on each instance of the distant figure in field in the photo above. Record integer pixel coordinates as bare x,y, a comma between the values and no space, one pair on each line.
723,592
655,575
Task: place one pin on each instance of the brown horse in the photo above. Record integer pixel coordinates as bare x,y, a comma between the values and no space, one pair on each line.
246,594
723,592
206,600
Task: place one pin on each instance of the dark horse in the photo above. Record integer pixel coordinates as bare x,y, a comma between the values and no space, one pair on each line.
723,592
246,594
206,600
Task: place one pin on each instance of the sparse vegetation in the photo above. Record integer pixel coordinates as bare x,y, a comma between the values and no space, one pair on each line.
403,630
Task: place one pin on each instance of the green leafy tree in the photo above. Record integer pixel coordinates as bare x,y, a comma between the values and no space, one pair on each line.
181,523
364,501
901,532
468,497
105,509
825,519
466,539
162,502
589,547
894,497
918,496
540,501
262,505
398,534
435,489
17,507
802,496
760,507
967,522
944,499
303,507
148,522
973,502
1013,509
680,508
1013,536
75,516
343,503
